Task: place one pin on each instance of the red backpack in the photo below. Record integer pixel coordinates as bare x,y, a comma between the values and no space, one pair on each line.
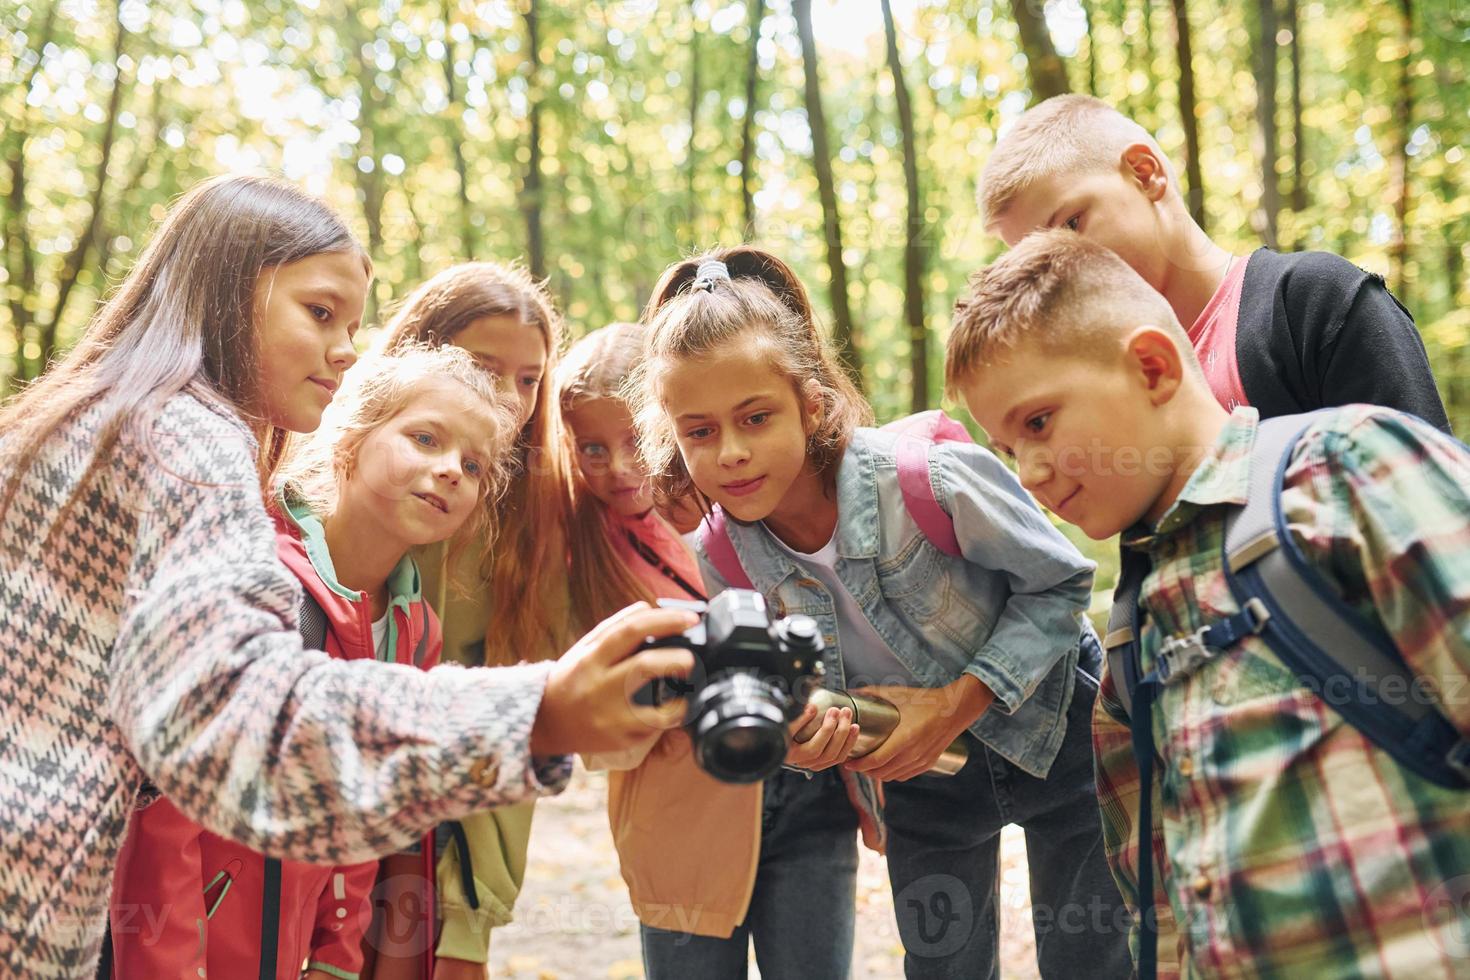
917,434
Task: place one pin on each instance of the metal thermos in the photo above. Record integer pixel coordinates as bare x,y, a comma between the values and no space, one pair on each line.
876,718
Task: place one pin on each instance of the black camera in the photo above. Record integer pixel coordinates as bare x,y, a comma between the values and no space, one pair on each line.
750,680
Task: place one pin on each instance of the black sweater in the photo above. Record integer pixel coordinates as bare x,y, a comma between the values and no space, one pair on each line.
1316,331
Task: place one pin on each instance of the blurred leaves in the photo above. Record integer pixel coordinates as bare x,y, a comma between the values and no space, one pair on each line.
412,117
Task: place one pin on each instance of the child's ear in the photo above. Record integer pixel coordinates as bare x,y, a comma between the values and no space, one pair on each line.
1155,361
812,404
1143,163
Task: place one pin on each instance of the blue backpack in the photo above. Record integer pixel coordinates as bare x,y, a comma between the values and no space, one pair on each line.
1347,659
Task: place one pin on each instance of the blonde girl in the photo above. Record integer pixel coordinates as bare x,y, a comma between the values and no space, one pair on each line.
506,320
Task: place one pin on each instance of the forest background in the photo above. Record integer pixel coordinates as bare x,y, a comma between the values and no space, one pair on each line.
599,141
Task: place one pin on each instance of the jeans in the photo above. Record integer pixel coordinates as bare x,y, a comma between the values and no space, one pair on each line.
802,909
943,860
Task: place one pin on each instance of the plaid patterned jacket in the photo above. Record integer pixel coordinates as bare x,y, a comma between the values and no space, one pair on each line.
1284,840
157,638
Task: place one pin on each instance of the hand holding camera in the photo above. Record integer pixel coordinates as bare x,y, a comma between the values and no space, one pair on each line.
585,707
752,680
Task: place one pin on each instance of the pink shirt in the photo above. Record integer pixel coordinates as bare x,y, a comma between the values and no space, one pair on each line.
1213,336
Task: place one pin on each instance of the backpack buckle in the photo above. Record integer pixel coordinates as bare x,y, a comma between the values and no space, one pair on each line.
1458,759
1182,655
1256,614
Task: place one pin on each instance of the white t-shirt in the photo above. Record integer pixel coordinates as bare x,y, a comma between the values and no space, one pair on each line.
380,635
866,657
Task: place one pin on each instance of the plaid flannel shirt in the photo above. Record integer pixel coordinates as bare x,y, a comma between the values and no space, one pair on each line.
1283,839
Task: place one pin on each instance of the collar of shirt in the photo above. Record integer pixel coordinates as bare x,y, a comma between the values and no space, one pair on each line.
1222,477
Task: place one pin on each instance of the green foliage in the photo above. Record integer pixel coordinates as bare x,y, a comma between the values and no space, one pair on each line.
379,104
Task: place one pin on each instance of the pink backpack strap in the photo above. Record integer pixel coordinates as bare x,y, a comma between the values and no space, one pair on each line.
916,435
720,550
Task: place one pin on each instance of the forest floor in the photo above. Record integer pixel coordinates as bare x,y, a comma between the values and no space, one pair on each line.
573,920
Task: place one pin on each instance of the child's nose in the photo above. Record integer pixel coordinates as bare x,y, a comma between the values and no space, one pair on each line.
732,450
342,355
1033,469
450,468
624,463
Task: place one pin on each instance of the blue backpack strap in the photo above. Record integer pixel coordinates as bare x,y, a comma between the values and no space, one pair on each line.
1120,641
1137,693
1338,654
422,646
270,919
313,627
720,550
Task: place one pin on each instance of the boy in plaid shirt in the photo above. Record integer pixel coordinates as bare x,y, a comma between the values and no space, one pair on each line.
1283,838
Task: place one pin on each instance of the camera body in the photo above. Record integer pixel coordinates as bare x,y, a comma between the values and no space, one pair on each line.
751,678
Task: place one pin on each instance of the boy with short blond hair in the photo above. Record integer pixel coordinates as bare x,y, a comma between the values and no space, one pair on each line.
1285,333
1283,837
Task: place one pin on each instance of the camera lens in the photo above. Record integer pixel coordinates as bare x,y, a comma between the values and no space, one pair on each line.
739,728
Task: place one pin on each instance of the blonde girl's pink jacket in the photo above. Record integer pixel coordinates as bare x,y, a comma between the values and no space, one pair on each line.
187,903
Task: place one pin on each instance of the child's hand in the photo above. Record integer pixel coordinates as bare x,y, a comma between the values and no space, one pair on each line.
929,718
830,744
446,969
588,704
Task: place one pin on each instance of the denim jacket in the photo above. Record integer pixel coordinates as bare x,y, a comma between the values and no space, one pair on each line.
1011,612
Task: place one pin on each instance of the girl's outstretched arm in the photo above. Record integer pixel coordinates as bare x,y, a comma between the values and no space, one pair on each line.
289,751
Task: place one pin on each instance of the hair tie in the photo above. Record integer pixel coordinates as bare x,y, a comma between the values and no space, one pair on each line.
710,271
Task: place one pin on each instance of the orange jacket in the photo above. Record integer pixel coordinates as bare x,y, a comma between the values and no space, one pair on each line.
688,844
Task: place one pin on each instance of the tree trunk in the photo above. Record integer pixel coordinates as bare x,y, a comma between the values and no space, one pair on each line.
1398,248
1188,112
692,163
20,257
370,184
1454,260
467,244
1298,133
1048,73
1150,56
1265,71
71,266
531,195
1088,14
747,125
416,251
844,334
913,248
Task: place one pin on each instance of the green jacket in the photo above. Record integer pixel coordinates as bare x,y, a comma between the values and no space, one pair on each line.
477,890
